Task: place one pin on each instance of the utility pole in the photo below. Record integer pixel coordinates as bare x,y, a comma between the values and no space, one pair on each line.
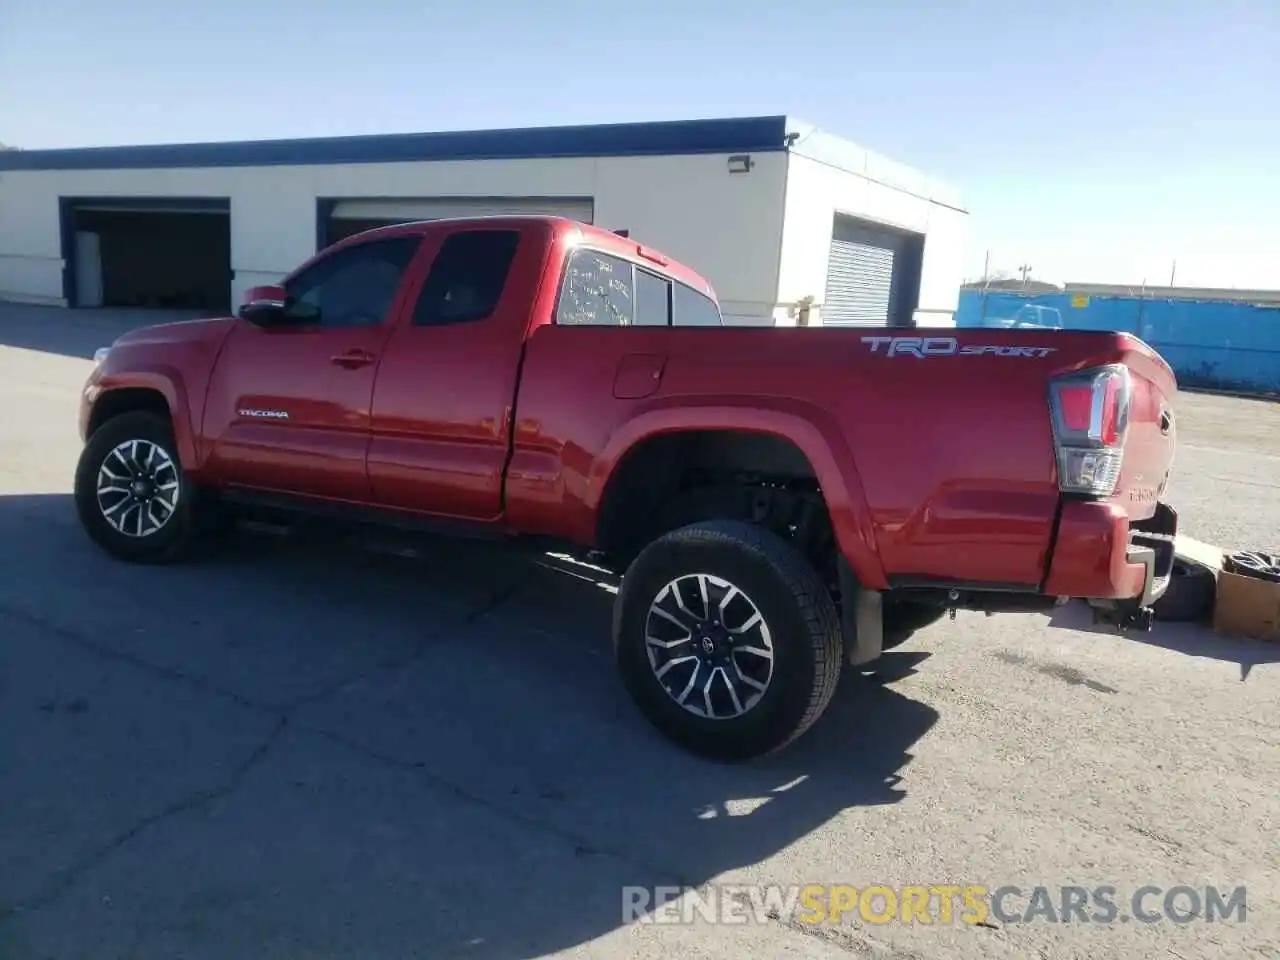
1025,270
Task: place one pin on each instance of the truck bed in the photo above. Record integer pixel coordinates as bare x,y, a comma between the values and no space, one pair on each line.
929,445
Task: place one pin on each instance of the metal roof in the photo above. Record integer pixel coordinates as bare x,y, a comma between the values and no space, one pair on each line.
733,135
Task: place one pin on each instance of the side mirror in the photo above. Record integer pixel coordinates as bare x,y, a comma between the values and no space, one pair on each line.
264,306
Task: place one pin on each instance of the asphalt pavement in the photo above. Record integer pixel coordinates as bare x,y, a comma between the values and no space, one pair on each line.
305,748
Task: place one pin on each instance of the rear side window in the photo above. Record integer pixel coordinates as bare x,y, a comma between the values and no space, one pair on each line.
598,290
467,278
689,308
603,290
653,300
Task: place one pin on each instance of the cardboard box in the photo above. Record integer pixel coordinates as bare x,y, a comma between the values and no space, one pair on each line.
1247,607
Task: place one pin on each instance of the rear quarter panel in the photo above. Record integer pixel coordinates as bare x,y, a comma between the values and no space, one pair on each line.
935,468
1152,435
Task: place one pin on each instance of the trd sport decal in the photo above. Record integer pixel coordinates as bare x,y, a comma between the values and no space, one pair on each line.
922,347
264,414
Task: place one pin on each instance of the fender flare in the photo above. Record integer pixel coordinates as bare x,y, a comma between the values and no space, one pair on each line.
810,428
165,381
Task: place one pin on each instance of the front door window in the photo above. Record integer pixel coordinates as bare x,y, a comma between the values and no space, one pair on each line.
353,286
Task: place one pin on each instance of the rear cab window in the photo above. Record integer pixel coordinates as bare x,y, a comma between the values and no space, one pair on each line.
600,289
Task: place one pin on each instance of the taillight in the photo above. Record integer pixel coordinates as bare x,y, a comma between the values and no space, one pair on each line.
1090,419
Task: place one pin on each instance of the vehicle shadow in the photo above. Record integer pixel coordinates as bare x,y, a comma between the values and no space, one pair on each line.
74,333
1192,639
471,690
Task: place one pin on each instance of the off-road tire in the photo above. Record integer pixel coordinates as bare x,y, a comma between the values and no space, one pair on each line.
179,535
792,600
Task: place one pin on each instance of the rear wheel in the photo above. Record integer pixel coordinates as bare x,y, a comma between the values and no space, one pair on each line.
132,496
727,639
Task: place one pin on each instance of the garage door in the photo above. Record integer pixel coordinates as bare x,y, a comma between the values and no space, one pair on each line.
869,275
404,209
166,252
349,217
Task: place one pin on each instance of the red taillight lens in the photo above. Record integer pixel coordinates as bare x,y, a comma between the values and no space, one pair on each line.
1090,418
1075,402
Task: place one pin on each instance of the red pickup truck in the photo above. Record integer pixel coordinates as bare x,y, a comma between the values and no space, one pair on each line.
780,501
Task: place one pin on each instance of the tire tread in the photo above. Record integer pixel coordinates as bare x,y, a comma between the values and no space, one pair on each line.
816,607
176,544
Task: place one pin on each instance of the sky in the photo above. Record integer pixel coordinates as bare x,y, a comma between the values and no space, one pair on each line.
1095,140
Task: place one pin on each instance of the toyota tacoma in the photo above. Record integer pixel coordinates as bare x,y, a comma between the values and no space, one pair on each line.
780,502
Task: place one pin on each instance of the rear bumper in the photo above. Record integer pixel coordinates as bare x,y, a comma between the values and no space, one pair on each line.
1100,555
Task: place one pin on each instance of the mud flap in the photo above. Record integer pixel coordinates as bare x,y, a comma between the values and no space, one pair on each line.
861,618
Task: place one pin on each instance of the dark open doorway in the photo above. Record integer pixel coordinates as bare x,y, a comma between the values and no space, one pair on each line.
166,253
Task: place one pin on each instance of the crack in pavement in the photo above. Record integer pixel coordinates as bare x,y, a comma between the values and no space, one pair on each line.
847,941
68,876
583,846
283,714
205,685
396,665
202,684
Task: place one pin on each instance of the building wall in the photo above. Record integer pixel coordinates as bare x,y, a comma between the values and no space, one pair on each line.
724,225
1209,344
30,240
827,176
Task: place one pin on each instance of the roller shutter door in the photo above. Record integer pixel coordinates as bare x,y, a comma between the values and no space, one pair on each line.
409,208
148,252
860,275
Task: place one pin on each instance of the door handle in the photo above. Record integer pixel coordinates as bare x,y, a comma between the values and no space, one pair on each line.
353,358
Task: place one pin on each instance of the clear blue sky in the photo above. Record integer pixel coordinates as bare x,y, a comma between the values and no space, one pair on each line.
1096,140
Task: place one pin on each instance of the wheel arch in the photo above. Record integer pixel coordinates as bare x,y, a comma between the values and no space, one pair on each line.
154,392
798,436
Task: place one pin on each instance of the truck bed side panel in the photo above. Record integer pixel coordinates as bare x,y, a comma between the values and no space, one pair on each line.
951,455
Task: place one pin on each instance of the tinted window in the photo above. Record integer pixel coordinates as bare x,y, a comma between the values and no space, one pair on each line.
689,308
354,286
599,290
467,277
653,307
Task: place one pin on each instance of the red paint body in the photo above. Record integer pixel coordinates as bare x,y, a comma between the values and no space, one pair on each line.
937,467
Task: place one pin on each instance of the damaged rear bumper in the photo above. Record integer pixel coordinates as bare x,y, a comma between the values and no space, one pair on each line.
1120,567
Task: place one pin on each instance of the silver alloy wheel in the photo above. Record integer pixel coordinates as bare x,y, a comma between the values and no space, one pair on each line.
138,488
709,646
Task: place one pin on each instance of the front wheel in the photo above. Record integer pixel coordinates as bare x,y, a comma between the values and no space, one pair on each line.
727,639
132,496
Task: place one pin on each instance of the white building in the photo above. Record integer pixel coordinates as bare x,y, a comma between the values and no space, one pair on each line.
770,210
